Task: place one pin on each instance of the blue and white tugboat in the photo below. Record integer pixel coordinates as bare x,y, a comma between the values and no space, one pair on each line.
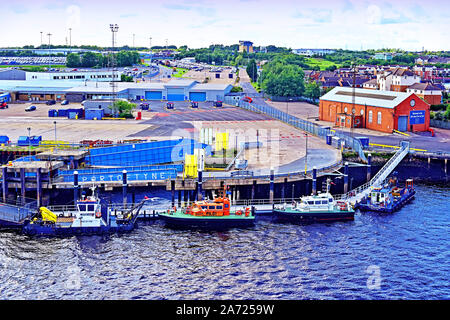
88,217
315,208
387,198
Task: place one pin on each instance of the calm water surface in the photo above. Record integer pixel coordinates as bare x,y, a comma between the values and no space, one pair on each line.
410,249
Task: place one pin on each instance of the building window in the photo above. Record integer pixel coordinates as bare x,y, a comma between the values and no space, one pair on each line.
379,118
370,116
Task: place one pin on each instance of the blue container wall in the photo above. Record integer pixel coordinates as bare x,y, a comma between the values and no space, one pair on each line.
142,153
23,141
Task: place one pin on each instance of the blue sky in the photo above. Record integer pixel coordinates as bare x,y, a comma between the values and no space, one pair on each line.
352,24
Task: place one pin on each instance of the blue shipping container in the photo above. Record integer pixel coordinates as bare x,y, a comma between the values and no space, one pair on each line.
93,114
23,141
63,113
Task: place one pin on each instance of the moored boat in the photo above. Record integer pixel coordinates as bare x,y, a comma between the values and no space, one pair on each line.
315,208
88,217
209,214
387,198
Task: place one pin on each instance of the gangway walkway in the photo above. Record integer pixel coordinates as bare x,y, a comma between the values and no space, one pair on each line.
359,193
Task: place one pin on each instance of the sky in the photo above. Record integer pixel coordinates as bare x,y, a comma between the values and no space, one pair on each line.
345,24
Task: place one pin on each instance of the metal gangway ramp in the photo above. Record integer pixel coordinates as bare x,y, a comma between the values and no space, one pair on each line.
359,193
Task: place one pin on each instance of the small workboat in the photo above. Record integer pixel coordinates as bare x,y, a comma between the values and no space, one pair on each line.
209,214
387,198
315,208
87,217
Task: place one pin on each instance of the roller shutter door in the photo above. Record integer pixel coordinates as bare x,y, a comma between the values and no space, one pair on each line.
175,94
153,95
197,96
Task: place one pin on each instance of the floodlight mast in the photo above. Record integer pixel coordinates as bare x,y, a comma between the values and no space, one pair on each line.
114,28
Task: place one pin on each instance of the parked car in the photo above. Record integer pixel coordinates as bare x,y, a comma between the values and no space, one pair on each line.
3,105
217,103
194,104
65,102
170,105
30,108
51,102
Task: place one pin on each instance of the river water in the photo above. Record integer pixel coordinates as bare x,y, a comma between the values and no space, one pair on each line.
404,255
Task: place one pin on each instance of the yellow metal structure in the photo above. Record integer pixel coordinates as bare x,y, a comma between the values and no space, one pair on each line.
222,140
47,215
405,134
394,147
190,166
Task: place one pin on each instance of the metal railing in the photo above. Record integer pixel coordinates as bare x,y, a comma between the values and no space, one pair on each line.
321,132
379,178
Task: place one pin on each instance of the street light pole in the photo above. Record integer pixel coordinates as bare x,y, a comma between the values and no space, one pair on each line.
114,28
49,35
41,39
70,39
54,122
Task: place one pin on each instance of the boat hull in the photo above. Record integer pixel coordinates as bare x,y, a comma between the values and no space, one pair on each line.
312,217
53,230
397,205
215,223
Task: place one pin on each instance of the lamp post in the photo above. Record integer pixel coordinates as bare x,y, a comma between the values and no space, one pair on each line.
70,39
49,35
54,122
114,28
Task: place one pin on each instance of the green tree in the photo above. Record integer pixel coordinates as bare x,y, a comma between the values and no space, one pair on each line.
252,70
89,60
285,80
73,60
123,108
312,90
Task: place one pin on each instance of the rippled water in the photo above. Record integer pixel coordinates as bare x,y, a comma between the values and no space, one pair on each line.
270,261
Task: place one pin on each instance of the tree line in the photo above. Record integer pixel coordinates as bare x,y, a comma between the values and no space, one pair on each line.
92,59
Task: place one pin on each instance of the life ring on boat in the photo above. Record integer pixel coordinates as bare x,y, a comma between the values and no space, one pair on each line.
238,213
247,212
98,214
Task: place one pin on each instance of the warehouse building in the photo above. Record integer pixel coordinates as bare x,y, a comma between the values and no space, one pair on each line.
74,91
174,90
374,109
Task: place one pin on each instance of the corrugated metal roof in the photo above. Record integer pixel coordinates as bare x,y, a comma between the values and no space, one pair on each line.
376,98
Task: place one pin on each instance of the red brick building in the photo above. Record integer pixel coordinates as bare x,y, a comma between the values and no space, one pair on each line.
376,110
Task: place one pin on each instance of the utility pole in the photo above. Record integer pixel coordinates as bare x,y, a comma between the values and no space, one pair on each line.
70,38
114,28
49,35
41,39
